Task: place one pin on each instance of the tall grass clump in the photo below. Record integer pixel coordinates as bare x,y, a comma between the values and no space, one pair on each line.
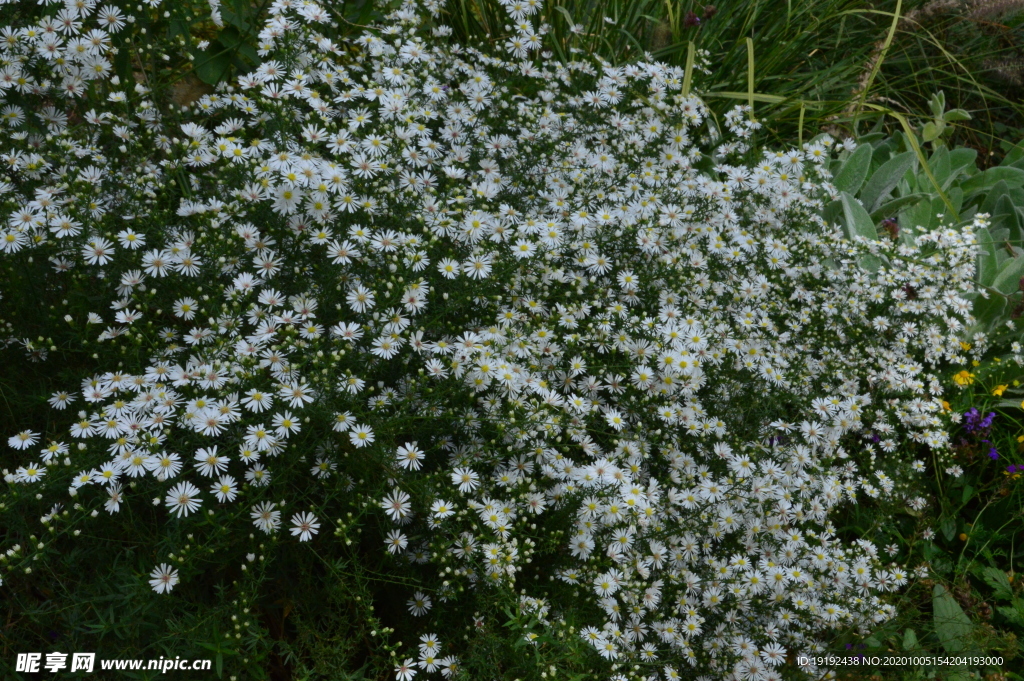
521,365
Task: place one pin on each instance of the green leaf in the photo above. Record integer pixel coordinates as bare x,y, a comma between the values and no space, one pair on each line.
954,115
998,190
932,131
212,65
939,163
871,138
987,262
890,208
1005,213
1009,404
1013,155
948,528
959,161
952,626
917,217
1015,615
1014,177
988,311
885,179
858,222
1007,281
998,580
851,176
909,640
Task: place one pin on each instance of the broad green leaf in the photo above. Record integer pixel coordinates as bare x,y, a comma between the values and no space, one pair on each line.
909,640
851,176
213,64
890,208
948,528
952,626
960,160
988,311
858,222
177,26
931,132
961,157
1006,213
1008,279
1013,155
939,163
998,580
999,189
954,115
956,197
831,212
871,138
917,217
885,179
987,263
1014,177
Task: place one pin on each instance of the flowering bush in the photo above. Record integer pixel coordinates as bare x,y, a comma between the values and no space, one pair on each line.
535,326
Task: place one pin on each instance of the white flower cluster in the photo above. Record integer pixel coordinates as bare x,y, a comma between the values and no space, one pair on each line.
542,297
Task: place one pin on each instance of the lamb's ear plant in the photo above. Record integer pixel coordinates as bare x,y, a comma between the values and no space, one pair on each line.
528,356
886,193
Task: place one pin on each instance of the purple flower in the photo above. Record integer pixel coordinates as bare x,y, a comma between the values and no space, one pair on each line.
973,421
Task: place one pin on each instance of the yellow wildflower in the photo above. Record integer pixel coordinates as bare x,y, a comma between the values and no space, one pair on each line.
945,406
964,378
1000,389
965,346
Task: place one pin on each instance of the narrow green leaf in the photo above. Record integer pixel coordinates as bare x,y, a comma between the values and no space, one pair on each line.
885,179
952,626
688,71
852,174
878,62
750,76
890,208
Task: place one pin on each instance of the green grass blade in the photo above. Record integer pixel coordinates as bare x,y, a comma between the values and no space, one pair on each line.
688,72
